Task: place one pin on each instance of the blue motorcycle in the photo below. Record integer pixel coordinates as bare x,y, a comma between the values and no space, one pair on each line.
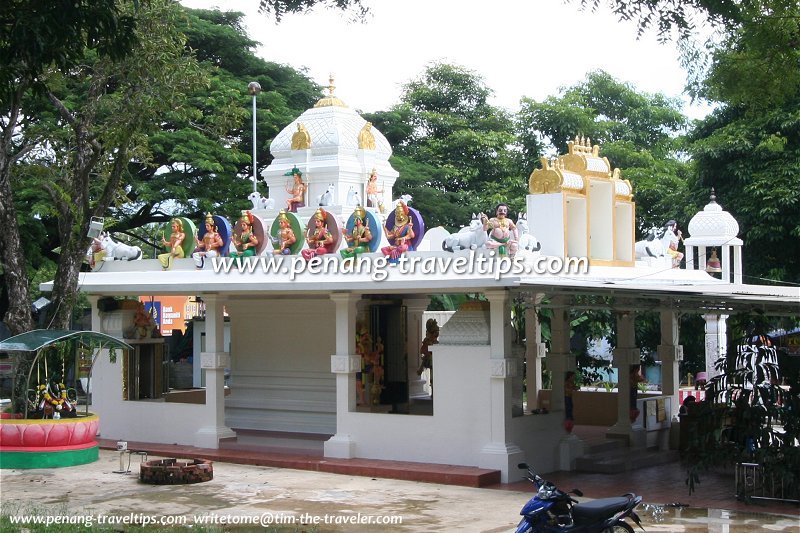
553,510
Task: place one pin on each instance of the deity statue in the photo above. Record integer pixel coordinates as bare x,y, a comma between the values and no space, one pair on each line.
301,139
502,231
374,194
357,240
296,192
426,356
672,236
175,245
211,244
366,140
401,235
245,240
286,236
319,240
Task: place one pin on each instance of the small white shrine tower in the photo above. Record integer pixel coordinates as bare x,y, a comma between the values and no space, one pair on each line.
714,229
333,146
711,229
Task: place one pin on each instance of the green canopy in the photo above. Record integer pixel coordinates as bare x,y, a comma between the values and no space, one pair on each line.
32,341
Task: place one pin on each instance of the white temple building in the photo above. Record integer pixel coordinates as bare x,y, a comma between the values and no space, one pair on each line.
334,354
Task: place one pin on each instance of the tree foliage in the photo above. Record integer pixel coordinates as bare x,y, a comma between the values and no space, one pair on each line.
444,121
753,162
37,38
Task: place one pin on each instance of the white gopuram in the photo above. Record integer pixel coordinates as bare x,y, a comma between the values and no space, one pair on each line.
333,146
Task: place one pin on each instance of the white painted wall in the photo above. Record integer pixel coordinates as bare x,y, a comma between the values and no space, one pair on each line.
144,420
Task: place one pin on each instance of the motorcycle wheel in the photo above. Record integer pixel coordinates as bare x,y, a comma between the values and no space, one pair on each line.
619,527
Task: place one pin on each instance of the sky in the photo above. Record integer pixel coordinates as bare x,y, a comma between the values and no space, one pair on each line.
521,48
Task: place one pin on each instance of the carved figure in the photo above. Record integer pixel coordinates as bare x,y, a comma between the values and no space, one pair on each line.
526,240
210,246
357,240
326,198
244,240
296,191
366,140
503,235
319,239
353,198
175,245
404,198
426,356
259,202
672,236
114,250
286,236
650,246
470,237
301,139
401,235
374,194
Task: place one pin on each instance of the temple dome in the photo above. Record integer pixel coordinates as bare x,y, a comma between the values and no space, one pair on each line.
332,128
713,222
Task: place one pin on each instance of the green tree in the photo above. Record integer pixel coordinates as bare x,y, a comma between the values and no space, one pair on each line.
200,158
753,162
444,121
35,38
41,44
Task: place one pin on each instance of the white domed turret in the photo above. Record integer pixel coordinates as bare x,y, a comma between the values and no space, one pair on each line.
711,229
336,150
713,223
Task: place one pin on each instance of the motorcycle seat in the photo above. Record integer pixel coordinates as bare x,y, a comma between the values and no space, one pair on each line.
593,510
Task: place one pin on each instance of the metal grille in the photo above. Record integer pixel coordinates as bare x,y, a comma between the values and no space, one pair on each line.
753,483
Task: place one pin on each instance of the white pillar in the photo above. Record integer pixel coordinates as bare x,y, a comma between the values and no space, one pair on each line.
726,263
535,352
671,354
626,354
415,330
214,361
737,263
716,340
500,453
344,363
560,360
689,256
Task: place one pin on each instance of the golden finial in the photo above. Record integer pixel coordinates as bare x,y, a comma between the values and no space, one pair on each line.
331,100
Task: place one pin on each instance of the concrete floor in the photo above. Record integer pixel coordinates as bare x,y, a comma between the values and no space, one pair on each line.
300,497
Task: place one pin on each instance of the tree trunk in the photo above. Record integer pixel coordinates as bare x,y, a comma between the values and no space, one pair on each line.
65,283
18,317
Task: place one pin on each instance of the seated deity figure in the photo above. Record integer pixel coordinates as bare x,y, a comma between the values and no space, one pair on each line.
357,240
502,231
175,245
296,192
301,139
672,236
211,244
401,235
286,236
319,240
245,240
374,194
